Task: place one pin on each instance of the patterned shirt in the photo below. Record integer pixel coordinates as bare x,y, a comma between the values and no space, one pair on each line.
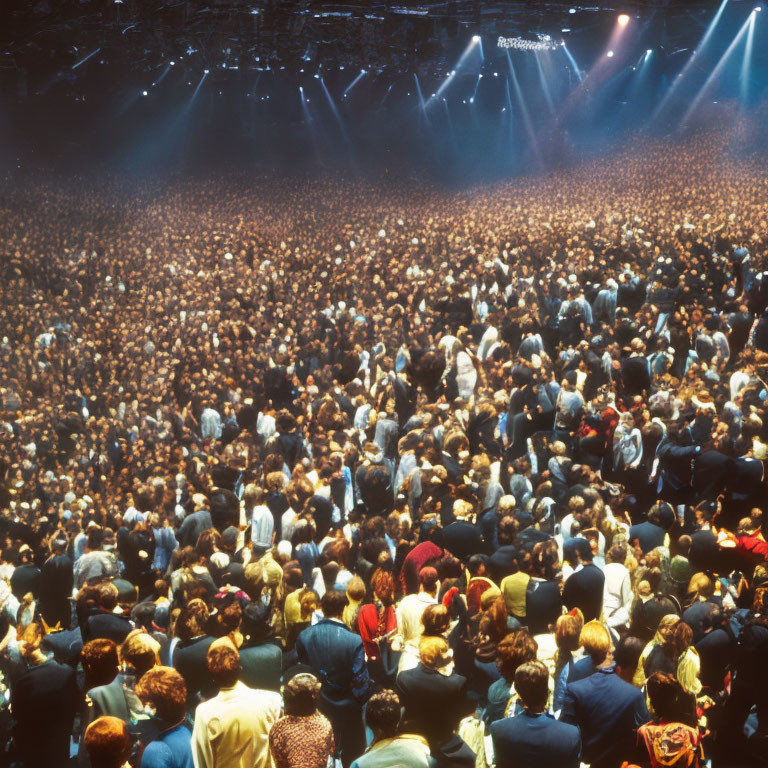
301,742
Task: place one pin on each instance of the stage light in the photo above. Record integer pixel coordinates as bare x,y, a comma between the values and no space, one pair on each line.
649,52
145,93
495,74
475,38
623,20
571,10
758,8
205,71
609,54
173,63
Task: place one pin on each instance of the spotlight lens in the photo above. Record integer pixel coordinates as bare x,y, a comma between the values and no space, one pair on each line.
571,10
758,8
475,38
144,93
623,20
609,54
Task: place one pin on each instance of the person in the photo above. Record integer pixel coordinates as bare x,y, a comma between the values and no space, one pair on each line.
667,739
596,642
56,583
337,657
608,711
534,738
190,655
584,588
108,743
162,689
232,728
105,621
303,737
408,617
515,649
390,746
44,700
431,681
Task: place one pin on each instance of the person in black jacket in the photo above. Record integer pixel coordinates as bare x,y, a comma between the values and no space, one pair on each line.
56,582
105,622
583,589
44,701
434,702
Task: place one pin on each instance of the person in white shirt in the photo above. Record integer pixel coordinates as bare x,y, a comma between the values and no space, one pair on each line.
617,592
232,729
409,613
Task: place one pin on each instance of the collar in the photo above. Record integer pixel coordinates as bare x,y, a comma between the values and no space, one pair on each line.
400,737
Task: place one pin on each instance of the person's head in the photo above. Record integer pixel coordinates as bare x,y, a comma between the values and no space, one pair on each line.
223,663
428,580
100,662
300,695
107,742
532,685
434,653
107,594
665,695
383,586
627,656
568,630
435,620
164,690
382,714
596,641
515,649
356,590
700,587
333,603
141,651
192,620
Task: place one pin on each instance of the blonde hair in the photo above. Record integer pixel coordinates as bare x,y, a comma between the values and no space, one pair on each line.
434,652
595,640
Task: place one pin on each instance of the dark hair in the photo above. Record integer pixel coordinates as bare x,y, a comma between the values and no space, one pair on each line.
532,684
108,742
300,695
164,688
382,712
333,603
665,695
100,662
515,649
545,560
627,653
223,664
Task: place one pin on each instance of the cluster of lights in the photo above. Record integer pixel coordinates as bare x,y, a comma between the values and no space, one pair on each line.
544,43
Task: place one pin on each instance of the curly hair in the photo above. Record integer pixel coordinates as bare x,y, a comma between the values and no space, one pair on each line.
164,689
515,649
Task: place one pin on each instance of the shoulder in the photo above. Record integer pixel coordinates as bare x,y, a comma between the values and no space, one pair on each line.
157,755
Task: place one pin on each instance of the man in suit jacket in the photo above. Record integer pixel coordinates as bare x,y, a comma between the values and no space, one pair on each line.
105,622
56,583
337,657
583,589
44,700
608,712
534,738
434,702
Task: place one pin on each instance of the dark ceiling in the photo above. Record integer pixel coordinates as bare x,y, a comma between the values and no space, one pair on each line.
46,39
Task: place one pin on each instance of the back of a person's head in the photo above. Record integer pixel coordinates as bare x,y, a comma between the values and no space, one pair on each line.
596,641
140,650
300,695
164,690
100,661
435,620
333,603
628,652
567,631
107,742
192,620
223,661
513,650
382,713
428,579
665,695
107,596
701,585
532,684
434,652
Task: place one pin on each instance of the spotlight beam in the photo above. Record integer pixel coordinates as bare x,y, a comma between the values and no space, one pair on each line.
524,109
355,82
474,43
747,61
199,85
84,59
699,48
544,85
716,71
575,66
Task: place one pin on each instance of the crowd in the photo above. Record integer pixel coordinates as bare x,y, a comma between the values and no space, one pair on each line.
310,472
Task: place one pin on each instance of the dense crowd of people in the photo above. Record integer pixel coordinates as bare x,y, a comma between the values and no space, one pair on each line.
309,472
